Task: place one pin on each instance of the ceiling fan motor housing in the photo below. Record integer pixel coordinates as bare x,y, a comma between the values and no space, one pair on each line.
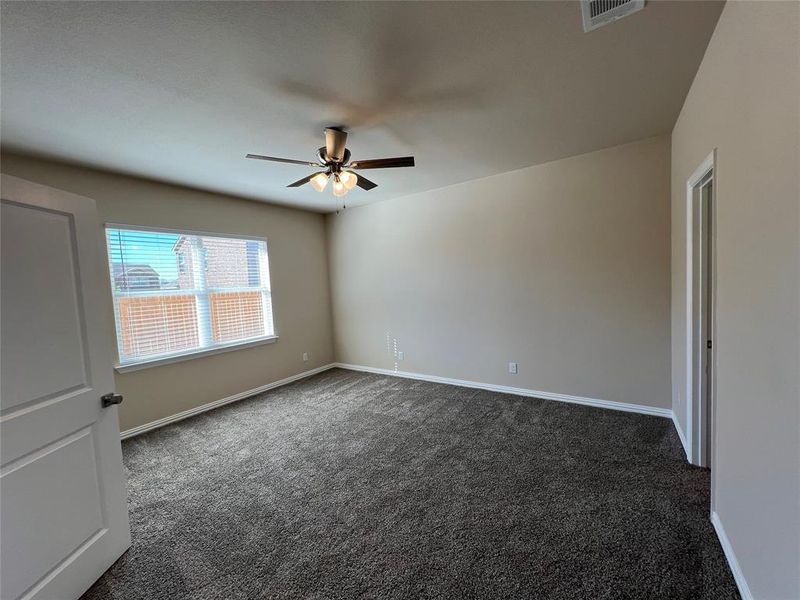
332,164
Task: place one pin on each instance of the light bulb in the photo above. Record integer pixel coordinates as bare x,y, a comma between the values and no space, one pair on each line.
319,181
349,179
339,188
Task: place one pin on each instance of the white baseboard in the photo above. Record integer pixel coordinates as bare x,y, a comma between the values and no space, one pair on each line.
635,408
504,389
738,576
682,437
217,403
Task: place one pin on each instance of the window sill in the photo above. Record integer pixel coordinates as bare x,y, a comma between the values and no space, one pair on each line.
166,360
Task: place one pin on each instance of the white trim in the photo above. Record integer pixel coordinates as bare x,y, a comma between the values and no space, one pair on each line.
733,563
173,358
178,231
217,403
708,164
701,171
681,435
504,389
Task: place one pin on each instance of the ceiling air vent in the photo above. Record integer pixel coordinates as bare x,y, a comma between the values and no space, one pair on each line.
597,13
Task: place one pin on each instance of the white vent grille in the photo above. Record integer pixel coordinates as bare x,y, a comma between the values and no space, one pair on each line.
597,13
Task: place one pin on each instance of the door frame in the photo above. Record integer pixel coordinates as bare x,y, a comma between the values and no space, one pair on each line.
699,430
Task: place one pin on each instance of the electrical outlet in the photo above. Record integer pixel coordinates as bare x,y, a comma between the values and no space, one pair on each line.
305,356
512,368
401,355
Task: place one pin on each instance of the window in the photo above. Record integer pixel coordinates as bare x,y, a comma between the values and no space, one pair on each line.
179,293
182,264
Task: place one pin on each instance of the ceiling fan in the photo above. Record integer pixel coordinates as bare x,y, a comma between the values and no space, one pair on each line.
334,159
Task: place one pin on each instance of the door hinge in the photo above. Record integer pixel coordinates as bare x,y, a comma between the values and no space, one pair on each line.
708,344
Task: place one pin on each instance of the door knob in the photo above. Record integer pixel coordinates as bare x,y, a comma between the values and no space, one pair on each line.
110,399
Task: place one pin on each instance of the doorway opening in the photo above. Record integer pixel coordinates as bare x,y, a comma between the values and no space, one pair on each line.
700,313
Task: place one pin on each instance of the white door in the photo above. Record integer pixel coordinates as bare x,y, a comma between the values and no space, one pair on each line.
63,509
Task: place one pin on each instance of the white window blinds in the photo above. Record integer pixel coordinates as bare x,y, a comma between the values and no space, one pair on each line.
178,293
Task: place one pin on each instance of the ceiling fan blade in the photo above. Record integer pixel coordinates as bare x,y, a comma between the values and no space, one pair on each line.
335,140
383,163
291,161
365,184
304,180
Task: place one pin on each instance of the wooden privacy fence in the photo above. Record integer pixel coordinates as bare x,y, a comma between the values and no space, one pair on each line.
151,325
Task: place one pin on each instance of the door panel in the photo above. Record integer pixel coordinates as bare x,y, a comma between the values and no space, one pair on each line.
64,515
47,327
34,512
34,427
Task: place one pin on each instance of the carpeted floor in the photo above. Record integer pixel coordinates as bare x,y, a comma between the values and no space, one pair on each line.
348,485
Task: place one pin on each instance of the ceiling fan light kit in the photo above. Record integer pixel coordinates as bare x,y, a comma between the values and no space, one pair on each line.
349,179
334,157
339,189
319,181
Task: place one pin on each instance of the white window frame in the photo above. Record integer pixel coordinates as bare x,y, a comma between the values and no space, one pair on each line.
164,359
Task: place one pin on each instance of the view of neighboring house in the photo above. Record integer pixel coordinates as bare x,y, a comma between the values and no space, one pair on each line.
135,277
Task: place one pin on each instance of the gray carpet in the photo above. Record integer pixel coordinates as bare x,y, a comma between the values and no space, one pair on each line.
348,485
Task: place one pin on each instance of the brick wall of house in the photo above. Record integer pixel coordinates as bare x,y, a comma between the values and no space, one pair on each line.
227,263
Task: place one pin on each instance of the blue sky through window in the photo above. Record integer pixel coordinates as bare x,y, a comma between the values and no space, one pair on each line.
153,249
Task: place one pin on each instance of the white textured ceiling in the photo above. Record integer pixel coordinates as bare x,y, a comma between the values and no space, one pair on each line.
181,91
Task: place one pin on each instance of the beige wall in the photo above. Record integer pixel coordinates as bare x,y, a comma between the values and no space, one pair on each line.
298,272
745,102
563,268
